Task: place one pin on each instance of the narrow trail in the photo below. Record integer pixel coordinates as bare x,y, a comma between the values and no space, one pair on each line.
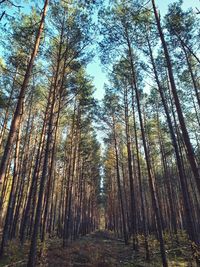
99,249
103,249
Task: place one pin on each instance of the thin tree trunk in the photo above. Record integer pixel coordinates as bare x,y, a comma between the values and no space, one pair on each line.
119,185
149,168
11,202
190,151
130,171
190,226
18,111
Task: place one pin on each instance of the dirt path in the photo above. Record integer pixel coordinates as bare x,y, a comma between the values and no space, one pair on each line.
97,250
102,249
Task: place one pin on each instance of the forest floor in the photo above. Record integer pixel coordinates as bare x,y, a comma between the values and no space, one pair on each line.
100,249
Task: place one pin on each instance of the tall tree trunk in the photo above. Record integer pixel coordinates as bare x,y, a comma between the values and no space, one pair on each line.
190,151
147,158
33,248
130,172
11,202
144,220
18,111
190,225
119,184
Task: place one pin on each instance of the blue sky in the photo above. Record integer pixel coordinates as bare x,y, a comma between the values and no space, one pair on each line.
94,68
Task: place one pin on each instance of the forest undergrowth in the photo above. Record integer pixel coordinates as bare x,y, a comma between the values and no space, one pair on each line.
101,249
